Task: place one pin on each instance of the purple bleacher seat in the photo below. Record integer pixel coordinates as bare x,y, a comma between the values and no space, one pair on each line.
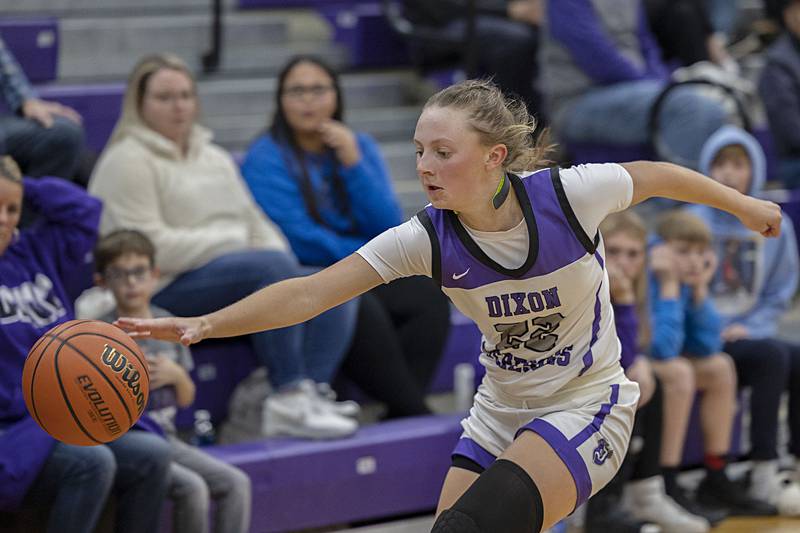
463,345
363,29
34,43
98,104
219,365
386,469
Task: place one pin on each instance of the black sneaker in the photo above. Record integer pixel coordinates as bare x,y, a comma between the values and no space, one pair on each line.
718,490
714,514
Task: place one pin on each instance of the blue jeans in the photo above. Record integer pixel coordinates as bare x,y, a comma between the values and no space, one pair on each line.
619,115
76,480
40,151
789,172
313,349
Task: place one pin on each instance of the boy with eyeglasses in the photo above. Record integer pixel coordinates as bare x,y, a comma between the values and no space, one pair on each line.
125,264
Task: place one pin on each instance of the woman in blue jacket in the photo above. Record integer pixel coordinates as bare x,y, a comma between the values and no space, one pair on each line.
73,482
329,190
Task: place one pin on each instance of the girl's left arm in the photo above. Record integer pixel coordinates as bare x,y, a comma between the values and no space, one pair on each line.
666,180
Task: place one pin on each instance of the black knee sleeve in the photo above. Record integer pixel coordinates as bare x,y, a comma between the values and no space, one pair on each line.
503,499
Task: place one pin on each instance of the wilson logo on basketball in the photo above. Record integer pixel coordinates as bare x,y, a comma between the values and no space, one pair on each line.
119,363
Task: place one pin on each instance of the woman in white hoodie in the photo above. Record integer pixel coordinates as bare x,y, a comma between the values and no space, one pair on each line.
162,175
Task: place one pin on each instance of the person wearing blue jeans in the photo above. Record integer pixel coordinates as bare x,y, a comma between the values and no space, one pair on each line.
76,481
312,350
602,74
44,138
161,175
73,482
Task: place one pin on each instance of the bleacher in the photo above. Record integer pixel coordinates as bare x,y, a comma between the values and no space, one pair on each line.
79,52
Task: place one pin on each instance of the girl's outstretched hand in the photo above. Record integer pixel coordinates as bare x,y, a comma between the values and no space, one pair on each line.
174,329
761,216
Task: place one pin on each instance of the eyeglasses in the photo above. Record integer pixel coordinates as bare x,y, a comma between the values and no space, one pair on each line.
630,253
299,91
121,275
168,98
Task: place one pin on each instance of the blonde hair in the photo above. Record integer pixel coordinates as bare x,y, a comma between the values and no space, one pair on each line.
498,120
681,225
137,84
632,225
9,170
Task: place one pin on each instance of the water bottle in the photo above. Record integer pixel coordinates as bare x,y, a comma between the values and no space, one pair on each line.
464,385
203,429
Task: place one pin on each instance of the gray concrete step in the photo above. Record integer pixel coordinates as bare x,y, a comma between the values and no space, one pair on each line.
385,124
256,95
107,47
82,8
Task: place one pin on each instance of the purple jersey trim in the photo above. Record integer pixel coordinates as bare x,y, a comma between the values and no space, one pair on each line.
553,241
599,418
568,454
567,449
588,357
474,451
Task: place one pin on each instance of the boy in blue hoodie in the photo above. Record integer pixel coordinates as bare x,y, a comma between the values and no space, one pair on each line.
686,332
753,287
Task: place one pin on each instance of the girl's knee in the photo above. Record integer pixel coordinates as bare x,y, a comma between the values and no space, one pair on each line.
717,371
677,376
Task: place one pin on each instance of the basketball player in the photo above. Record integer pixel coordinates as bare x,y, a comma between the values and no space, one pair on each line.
522,257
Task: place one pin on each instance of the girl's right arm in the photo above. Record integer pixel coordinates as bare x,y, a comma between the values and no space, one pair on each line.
282,304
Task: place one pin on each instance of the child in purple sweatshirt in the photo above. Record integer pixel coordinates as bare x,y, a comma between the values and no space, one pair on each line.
73,482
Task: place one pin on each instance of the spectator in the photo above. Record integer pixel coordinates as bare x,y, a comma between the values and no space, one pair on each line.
602,74
686,334
36,471
780,90
125,263
45,138
162,175
685,33
625,237
328,189
752,288
506,39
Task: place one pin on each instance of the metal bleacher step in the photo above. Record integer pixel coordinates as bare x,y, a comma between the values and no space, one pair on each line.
385,123
82,8
108,47
256,95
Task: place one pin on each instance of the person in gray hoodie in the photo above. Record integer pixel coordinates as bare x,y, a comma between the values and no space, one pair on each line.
752,288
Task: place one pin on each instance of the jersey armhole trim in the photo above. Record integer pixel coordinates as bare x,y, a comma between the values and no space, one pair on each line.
590,245
436,253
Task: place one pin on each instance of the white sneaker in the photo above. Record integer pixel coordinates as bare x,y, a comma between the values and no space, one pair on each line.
647,501
327,396
774,487
295,413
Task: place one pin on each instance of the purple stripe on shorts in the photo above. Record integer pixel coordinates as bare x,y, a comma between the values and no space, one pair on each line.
568,453
588,358
594,427
472,450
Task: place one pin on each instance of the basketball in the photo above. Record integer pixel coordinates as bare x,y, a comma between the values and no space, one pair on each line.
85,382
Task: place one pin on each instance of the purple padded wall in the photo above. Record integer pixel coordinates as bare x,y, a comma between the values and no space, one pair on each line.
365,32
386,469
219,365
98,104
34,43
